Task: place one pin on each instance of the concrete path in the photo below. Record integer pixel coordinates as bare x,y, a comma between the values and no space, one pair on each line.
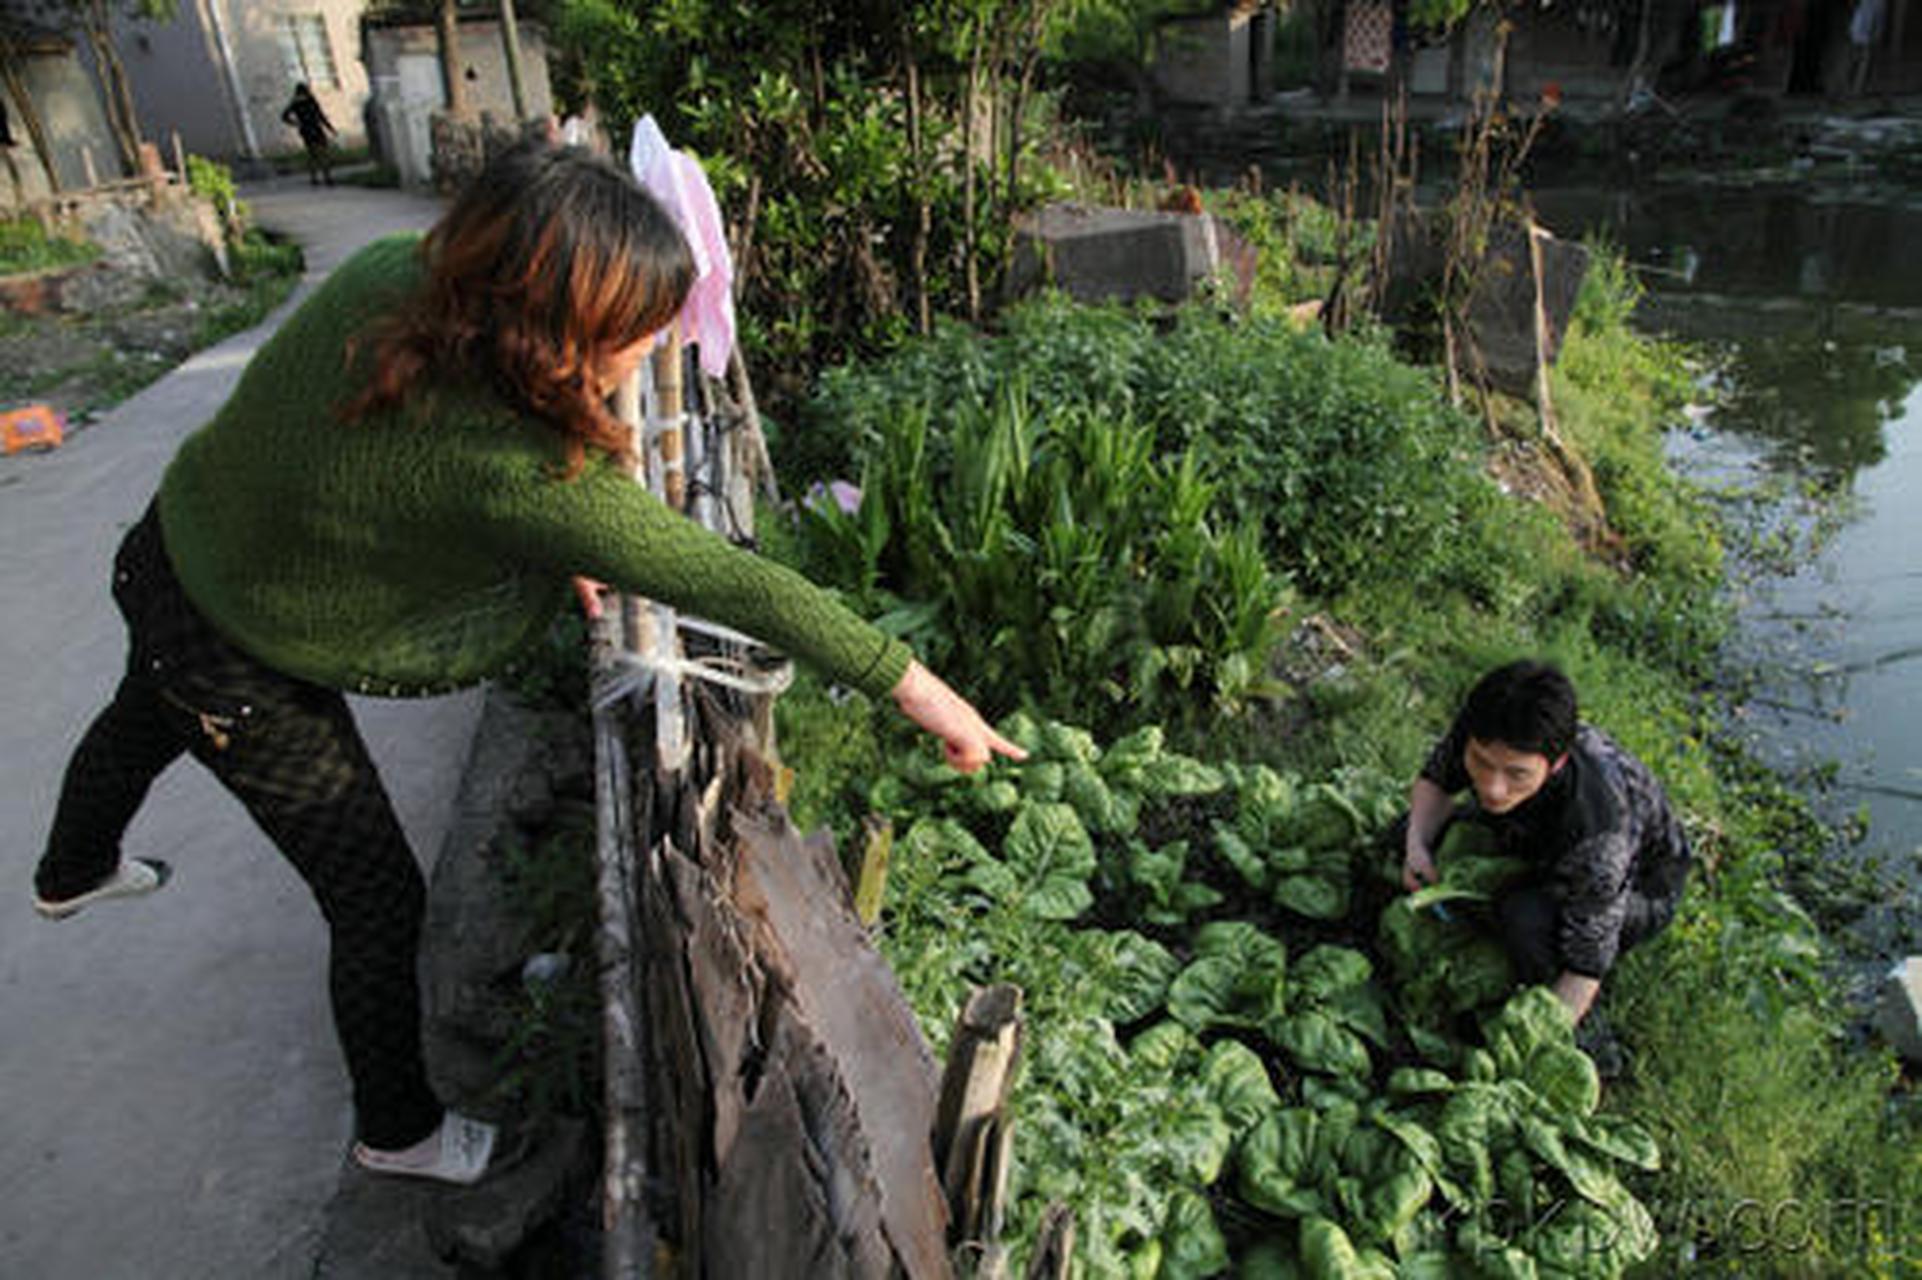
172,1102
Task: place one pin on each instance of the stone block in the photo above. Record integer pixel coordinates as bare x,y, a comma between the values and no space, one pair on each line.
1101,255
1898,1008
483,1226
1501,311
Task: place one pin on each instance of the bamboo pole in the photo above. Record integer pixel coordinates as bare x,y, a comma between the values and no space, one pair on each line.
628,1244
670,405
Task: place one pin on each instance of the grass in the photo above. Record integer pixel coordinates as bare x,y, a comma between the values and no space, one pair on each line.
266,271
28,246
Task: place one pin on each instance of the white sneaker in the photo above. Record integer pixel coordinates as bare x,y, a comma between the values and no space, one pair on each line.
132,878
457,1152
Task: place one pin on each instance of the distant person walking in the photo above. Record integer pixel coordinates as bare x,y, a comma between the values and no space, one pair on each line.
304,114
1865,28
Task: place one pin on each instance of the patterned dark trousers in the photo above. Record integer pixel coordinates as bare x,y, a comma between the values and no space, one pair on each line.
290,752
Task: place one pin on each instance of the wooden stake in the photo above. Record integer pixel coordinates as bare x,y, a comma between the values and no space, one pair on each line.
971,1118
870,887
180,159
86,164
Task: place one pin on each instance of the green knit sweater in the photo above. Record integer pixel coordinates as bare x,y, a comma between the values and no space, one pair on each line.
419,550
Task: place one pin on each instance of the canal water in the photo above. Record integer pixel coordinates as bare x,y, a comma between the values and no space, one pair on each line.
1807,308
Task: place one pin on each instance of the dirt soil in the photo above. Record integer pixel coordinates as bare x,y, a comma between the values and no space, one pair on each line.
84,363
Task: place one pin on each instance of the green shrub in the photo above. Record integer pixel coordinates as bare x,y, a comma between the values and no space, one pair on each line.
266,271
214,181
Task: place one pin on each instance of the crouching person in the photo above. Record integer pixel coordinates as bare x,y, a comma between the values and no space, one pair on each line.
1608,858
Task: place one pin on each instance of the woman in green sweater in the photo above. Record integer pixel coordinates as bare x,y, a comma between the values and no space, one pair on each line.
394,502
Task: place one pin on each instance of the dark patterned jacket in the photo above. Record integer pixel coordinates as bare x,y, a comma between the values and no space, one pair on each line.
1601,834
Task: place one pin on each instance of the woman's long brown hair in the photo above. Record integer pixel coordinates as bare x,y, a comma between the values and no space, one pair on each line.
547,263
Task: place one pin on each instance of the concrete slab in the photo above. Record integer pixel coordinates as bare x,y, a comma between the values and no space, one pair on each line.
176,1104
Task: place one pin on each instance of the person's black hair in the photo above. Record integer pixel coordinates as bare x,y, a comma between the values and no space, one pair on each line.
1526,705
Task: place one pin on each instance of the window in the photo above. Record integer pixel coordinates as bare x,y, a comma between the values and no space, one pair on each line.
306,51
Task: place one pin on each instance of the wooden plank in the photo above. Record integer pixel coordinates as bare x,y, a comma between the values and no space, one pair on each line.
796,896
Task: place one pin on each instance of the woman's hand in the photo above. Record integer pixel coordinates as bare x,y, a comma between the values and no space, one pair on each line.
589,592
967,739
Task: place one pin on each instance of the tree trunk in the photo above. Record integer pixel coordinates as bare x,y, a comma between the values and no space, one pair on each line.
121,114
1638,64
447,23
511,40
970,107
917,178
29,112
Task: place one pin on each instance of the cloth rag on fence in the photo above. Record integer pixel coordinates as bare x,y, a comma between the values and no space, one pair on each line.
677,180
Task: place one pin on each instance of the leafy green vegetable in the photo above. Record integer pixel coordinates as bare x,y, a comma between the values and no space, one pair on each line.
1121,975
1328,1254
1238,1083
1238,978
1278,1164
1318,1043
1051,857
1192,1244
1318,897
1327,969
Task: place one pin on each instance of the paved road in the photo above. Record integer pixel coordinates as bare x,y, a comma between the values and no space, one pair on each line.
172,1102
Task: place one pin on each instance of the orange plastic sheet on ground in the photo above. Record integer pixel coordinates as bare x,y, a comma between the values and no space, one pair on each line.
38,426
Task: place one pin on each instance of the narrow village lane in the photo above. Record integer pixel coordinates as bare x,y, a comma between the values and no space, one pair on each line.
175,1106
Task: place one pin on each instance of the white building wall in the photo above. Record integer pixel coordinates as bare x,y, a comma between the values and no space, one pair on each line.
180,83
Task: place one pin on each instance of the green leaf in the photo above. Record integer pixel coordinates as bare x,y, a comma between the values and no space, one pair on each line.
941,841
1052,856
1193,1137
1619,1137
1178,775
1532,1018
1067,743
1021,729
1238,978
1192,1244
1328,1254
1409,1082
1126,758
1361,1010
1043,780
1318,1043
1325,819
1276,1165
1237,853
1100,808
1313,896
1396,1193
1124,976
1237,1082
1326,969
1565,1077
1158,1049
991,796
